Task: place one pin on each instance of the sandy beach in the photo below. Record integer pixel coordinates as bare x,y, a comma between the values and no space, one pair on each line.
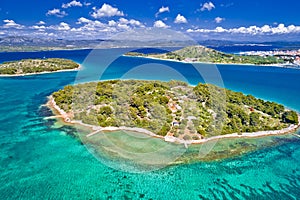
97,129
60,113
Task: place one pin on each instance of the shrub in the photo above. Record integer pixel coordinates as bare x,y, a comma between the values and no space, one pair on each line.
187,137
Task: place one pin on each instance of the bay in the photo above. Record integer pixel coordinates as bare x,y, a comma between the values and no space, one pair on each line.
40,159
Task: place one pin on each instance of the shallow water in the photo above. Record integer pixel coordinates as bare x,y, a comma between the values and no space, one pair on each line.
39,159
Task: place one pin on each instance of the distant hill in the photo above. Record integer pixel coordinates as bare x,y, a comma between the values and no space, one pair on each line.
203,54
44,42
25,43
22,43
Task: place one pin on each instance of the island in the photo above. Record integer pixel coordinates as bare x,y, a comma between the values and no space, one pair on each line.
206,55
173,111
36,66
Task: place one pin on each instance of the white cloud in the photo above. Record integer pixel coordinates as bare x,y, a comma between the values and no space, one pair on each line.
160,24
89,25
207,6
219,19
180,19
112,23
63,26
134,22
39,28
106,11
111,26
87,3
56,12
123,26
220,29
83,20
131,22
162,10
11,24
123,20
252,30
266,29
72,4
41,23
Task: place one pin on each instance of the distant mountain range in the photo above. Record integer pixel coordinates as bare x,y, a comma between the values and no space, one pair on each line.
44,42
23,43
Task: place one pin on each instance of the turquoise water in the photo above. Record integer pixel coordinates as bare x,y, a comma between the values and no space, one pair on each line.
40,160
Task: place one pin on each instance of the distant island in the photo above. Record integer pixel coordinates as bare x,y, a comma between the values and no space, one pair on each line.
173,111
203,54
35,66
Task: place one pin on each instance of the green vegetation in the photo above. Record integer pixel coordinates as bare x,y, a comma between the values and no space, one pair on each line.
28,66
290,117
203,54
172,108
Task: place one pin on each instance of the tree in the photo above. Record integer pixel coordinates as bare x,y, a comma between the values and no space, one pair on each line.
254,119
290,117
136,102
163,100
106,111
187,137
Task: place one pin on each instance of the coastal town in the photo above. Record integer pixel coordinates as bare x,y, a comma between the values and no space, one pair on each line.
291,57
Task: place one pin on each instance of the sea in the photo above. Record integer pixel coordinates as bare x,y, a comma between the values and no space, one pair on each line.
41,158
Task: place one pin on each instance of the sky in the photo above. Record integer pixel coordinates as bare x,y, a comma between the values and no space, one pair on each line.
199,19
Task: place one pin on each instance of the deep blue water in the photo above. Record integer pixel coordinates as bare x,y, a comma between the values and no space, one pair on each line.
77,56
41,160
